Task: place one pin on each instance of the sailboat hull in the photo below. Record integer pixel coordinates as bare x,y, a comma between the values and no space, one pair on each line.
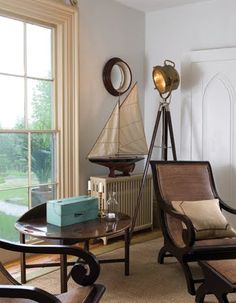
123,165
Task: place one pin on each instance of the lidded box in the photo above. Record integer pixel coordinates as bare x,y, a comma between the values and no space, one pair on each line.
72,210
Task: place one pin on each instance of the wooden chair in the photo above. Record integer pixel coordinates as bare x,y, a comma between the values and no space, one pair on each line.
187,181
83,273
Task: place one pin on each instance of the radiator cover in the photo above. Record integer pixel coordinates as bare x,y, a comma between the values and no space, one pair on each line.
127,189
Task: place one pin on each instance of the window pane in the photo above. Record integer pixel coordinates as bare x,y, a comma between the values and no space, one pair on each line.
41,194
13,160
11,102
39,61
39,104
11,50
13,204
42,163
42,158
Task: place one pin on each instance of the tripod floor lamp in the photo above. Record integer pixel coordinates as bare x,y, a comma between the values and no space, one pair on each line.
166,79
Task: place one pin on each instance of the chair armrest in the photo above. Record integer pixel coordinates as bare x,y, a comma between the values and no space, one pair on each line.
27,292
189,239
227,207
84,273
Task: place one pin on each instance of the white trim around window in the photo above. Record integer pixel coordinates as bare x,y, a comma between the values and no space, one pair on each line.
65,21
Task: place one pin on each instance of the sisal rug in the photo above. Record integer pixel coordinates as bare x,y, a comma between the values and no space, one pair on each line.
148,282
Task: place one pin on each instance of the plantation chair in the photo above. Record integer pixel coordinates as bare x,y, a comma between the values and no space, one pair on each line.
191,184
83,273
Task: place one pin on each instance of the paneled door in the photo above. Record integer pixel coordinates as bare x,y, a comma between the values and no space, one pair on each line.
209,114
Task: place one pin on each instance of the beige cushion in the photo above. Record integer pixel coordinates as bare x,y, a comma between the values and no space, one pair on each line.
207,218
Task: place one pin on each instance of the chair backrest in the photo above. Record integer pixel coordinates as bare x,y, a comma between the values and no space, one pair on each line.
183,180
180,181
84,274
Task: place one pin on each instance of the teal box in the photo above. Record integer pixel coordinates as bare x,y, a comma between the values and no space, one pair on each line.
72,210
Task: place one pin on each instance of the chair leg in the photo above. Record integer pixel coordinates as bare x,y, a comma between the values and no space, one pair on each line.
202,291
188,278
162,255
200,294
222,298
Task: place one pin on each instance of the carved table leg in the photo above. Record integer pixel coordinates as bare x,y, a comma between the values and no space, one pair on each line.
127,244
22,261
63,271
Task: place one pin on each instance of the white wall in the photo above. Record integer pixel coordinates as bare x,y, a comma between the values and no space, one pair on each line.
173,32
107,29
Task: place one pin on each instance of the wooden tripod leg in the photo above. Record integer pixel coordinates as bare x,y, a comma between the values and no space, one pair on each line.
164,141
160,110
169,125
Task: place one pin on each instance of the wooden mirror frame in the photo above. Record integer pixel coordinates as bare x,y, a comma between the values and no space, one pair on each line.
126,75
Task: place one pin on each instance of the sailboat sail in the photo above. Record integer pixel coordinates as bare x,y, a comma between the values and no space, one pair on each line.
132,138
107,142
123,133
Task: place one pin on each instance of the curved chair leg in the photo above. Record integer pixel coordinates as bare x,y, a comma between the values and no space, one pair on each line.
188,278
162,255
222,298
200,294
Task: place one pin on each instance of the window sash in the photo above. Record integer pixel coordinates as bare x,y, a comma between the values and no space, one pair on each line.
65,21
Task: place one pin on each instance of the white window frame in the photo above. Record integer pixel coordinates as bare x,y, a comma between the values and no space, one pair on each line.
64,19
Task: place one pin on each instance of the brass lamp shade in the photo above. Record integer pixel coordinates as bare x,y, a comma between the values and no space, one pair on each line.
165,78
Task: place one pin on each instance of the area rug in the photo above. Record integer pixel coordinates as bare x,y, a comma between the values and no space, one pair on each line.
148,282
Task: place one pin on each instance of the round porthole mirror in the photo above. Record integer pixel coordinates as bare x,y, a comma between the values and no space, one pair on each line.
117,76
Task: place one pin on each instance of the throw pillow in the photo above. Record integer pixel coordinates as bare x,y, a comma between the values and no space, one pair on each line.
207,218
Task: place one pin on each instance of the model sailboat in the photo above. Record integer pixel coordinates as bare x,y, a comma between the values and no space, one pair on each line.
122,141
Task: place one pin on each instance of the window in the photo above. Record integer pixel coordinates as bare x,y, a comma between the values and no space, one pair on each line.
27,133
39,106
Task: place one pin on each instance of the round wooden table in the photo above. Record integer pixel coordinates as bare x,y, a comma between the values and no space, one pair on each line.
34,223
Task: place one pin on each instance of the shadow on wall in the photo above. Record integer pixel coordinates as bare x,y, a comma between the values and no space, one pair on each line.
189,79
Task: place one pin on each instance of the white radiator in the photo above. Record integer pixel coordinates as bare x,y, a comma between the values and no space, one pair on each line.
127,189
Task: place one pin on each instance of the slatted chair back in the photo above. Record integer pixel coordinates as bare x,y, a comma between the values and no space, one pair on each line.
183,181
180,181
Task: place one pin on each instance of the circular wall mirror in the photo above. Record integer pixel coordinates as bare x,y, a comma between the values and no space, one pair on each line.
117,76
